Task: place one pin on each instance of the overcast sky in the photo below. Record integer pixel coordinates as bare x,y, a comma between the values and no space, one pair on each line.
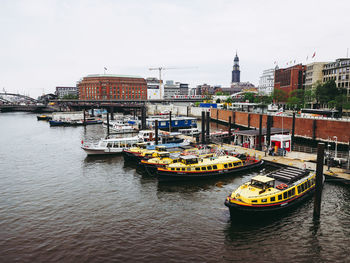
45,43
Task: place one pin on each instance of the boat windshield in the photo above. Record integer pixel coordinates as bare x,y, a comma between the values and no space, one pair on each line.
191,161
261,185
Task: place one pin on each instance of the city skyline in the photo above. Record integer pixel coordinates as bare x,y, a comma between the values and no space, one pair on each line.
55,43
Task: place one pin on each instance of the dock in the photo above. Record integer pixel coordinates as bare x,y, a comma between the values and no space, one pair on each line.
294,159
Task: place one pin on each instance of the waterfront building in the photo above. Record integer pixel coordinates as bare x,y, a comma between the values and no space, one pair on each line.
338,71
171,89
290,79
236,73
112,87
153,90
65,91
183,89
266,81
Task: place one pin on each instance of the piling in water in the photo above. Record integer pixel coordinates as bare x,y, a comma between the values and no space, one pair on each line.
319,180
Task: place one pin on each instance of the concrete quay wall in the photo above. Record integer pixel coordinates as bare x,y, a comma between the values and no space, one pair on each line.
310,128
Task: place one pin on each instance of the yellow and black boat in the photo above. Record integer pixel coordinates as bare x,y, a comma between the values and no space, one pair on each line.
192,167
44,118
279,190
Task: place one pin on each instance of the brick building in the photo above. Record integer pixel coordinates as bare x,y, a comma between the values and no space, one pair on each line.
289,79
112,87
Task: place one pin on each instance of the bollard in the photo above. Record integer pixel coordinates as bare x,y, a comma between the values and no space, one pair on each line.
169,121
84,117
207,139
107,124
260,132
229,129
319,180
203,127
156,131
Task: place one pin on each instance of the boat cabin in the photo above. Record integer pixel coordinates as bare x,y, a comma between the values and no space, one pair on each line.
141,145
163,155
262,182
189,159
160,148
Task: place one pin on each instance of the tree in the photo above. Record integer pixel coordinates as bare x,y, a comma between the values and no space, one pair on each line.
229,100
279,95
70,97
249,96
218,100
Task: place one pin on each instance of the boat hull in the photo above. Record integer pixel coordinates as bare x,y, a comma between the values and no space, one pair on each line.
167,176
92,151
239,210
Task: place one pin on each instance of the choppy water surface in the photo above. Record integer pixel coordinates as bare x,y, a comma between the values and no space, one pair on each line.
57,205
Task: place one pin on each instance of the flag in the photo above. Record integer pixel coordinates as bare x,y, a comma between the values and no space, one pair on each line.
294,61
105,68
314,54
307,57
275,62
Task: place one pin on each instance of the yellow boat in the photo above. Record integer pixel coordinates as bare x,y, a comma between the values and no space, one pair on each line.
279,190
192,167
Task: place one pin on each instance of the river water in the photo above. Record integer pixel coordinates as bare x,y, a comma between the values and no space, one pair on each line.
57,205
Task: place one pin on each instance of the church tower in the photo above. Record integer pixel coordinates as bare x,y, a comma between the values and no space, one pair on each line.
236,73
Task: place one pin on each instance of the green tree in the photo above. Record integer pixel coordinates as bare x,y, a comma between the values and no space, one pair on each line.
229,100
70,97
279,95
218,100
249,96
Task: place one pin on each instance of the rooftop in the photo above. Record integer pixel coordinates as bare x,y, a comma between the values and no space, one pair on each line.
112,76
262,178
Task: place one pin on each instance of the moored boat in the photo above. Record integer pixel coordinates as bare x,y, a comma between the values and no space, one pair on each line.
110,146
192,167
44,118
279,190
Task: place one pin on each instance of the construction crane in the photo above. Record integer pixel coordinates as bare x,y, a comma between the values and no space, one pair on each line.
160,75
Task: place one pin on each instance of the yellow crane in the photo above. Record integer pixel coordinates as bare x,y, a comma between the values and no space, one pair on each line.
160,75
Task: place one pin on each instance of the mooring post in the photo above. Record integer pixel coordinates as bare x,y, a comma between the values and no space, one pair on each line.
143,118
156,131
112,113
293,129
319,180
84,116
169,121
268,131
107,123
203,127
260,132
229,129
207,139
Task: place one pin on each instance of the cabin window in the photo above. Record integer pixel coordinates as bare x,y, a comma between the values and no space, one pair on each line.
183,169
109,145
173,169
289,193
215,167
174,161
236,164
204,168
197,168
293,191
230,165
225,165
299,189
209,168
308,184
279,197
285,195
273,199
264,200
177,169
189,169
254,201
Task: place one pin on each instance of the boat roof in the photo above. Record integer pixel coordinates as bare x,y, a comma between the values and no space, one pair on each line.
289,174
187,157
262,178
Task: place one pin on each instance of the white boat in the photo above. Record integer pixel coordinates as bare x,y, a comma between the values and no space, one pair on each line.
189,132
120,127
117,145
110,146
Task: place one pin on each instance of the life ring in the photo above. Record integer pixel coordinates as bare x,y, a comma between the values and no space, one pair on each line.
281,186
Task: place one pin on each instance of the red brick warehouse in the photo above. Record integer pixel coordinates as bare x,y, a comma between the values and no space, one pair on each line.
112,87
290,79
